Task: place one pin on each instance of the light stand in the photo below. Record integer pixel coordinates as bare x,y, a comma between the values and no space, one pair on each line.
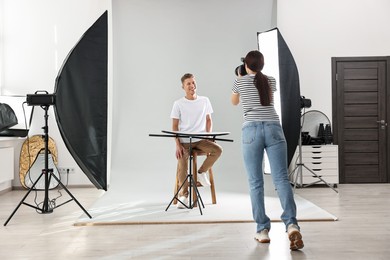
298,169
48,174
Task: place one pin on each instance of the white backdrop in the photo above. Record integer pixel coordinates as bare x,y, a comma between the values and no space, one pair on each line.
154,43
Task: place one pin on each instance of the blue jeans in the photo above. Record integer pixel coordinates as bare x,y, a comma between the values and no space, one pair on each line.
257,137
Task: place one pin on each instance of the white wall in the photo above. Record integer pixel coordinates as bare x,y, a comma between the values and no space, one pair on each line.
155,43
318,30
1,44
38,35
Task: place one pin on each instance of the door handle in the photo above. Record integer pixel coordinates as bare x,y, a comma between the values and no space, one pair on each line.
382,123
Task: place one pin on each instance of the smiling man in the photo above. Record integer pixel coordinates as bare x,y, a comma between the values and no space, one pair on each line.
192,114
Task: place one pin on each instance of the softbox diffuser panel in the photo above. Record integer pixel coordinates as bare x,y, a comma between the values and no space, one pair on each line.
81,102
283,63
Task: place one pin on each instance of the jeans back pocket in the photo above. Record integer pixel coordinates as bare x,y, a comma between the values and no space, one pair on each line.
248,134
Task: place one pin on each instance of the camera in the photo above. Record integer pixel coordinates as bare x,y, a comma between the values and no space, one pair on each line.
240,70
305,102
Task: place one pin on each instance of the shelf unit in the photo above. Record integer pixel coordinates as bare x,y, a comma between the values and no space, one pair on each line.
322,160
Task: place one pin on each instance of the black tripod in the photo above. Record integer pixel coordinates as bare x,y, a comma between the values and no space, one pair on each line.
190,177
298,169
191,185
48,174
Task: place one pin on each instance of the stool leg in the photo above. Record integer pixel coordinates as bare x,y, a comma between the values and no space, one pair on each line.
212,187
176,184
195,175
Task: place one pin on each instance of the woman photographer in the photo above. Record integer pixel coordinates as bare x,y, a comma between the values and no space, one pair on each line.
262,131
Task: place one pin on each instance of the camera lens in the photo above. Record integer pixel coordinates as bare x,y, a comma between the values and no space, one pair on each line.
240,70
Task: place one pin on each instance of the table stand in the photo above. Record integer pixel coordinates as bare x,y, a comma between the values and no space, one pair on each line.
190,178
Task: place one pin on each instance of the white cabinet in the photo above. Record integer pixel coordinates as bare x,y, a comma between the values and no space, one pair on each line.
321,159
9,161
6,164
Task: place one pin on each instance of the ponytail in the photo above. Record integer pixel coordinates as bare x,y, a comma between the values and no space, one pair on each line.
255,61
264,89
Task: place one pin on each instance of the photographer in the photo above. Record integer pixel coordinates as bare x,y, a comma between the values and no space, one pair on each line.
261,131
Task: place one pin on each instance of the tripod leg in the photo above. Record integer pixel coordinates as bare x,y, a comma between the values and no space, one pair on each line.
70,194
295,178
175,197
195,187
46,208
198,196
22,201
295,182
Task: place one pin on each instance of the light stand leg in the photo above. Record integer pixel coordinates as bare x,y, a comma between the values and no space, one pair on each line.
291,175
22,201
320,179
298,167
70,194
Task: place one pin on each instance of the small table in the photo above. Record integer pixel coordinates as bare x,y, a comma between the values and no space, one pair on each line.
214,136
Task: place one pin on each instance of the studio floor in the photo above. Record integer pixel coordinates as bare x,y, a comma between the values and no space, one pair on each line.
361,232
142,206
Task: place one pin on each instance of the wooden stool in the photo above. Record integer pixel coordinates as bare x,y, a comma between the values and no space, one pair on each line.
195,154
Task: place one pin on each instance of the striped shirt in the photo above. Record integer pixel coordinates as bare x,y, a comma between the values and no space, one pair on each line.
249,95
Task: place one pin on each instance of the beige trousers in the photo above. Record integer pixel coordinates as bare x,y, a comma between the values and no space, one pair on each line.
213,150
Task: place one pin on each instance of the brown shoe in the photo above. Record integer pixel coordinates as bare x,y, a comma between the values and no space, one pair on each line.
295,237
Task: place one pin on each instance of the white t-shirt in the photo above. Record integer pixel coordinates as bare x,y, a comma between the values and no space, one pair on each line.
191,114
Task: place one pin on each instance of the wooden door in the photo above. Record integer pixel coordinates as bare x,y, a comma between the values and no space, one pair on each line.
360,98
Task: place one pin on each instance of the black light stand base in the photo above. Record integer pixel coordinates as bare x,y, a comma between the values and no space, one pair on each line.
320,179
46,209
48,173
